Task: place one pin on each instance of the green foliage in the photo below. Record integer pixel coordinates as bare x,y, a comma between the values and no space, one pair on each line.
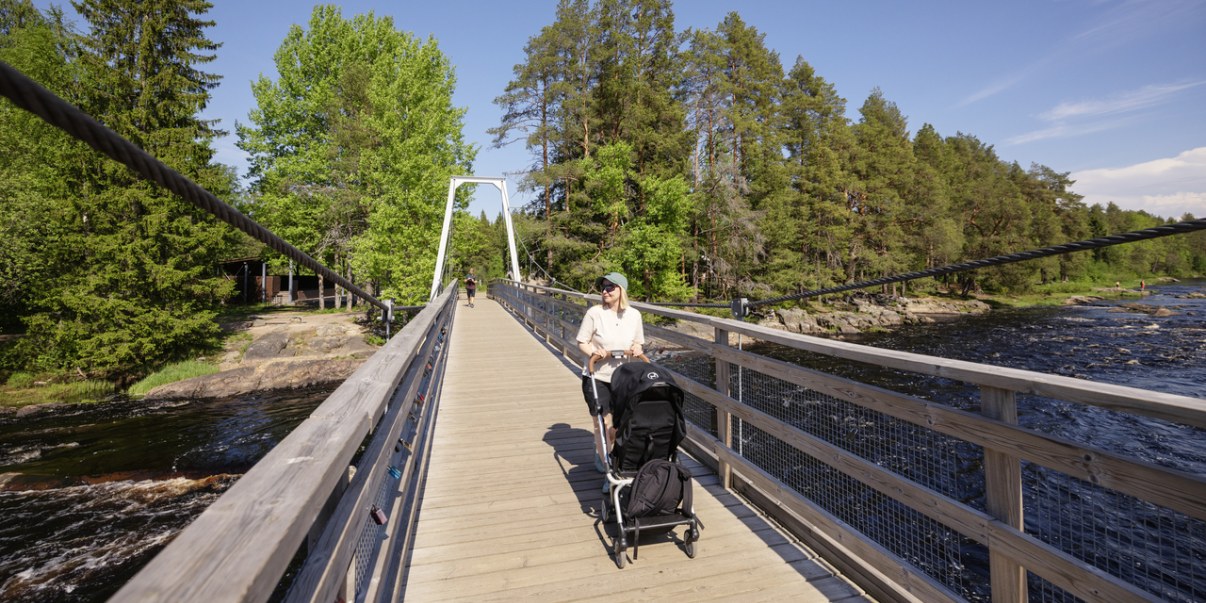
112,274
477,245
783,193
352,147
690,161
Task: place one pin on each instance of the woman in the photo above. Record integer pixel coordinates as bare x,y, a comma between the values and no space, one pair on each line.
611,326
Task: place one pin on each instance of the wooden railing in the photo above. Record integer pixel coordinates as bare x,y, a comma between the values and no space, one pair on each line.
303,523
880,493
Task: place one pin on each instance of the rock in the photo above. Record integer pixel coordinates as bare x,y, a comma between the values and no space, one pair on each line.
272,375
267,347
864,313
795,320
290,352
33,409
1082,300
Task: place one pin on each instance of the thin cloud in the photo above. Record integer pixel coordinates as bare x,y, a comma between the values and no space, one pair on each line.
1133,100
1066,131
1070,119
1125,23
992,89
1169,187
1133,21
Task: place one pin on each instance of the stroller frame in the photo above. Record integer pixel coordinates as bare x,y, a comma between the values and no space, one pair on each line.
628,529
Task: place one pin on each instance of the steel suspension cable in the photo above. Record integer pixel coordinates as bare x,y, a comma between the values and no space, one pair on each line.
552,279
31,96
741,307
1107,241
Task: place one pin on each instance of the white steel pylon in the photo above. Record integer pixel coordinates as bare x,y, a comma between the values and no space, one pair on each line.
453,183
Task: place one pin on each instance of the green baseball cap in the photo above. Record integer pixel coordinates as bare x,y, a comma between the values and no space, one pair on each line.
614,277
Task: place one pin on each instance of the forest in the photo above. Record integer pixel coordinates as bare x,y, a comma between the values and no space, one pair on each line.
694,161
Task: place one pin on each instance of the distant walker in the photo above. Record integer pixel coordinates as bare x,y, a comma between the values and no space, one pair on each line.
470,287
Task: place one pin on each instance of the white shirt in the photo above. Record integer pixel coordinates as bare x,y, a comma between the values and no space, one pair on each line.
608,330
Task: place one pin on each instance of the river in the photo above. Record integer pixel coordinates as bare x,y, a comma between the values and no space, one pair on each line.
88,495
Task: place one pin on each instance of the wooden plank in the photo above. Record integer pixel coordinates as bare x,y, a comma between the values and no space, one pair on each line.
1167,487
1170,407
1004,444
510,508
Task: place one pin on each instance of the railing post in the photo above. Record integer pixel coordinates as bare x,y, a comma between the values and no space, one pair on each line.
724,420
1003,497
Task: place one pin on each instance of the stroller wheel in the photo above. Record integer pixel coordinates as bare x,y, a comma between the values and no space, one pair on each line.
692,534
603,510
690,548
617,548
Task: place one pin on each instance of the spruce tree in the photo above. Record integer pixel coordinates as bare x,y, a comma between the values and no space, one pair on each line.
143,286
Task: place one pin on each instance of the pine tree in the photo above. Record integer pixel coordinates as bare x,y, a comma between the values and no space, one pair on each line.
813,217
539,102
884,166
34,185
936,237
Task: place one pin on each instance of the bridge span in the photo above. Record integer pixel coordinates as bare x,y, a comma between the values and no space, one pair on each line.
456,464
511,505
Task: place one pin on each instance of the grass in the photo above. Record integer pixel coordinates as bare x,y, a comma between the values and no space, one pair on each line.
24,389
171,373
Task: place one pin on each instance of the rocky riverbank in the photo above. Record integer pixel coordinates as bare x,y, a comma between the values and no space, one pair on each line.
864,313
280,350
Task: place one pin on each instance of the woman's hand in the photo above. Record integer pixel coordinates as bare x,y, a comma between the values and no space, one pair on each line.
635,350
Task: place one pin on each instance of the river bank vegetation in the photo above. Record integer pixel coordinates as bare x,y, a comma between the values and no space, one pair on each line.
699,162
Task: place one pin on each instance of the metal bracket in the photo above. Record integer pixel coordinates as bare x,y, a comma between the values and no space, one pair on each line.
740,308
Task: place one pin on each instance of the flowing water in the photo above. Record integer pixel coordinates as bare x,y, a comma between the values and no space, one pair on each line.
88,495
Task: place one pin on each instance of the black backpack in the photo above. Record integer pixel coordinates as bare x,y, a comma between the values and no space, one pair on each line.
658,488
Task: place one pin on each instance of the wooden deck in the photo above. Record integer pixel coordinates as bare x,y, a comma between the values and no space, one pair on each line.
510,510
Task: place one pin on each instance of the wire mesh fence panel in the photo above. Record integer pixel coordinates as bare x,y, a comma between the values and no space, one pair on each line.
1157,549
935,460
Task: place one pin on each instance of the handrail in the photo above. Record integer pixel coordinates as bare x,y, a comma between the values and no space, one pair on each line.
239,548
723,419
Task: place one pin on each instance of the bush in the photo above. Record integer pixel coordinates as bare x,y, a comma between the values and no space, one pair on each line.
21,380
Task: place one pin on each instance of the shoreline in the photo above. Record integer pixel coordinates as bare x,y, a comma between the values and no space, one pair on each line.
297,350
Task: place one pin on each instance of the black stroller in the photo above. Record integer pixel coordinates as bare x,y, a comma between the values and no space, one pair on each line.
649,491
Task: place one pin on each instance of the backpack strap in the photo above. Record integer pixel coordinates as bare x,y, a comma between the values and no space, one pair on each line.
647,455
688,501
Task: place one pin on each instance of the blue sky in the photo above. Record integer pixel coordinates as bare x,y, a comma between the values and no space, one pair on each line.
1113,91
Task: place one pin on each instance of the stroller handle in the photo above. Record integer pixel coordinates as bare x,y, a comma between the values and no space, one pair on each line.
590,364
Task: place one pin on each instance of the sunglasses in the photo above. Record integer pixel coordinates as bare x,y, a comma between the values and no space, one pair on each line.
609,287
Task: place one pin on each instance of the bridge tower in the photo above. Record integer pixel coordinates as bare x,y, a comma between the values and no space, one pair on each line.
453,184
